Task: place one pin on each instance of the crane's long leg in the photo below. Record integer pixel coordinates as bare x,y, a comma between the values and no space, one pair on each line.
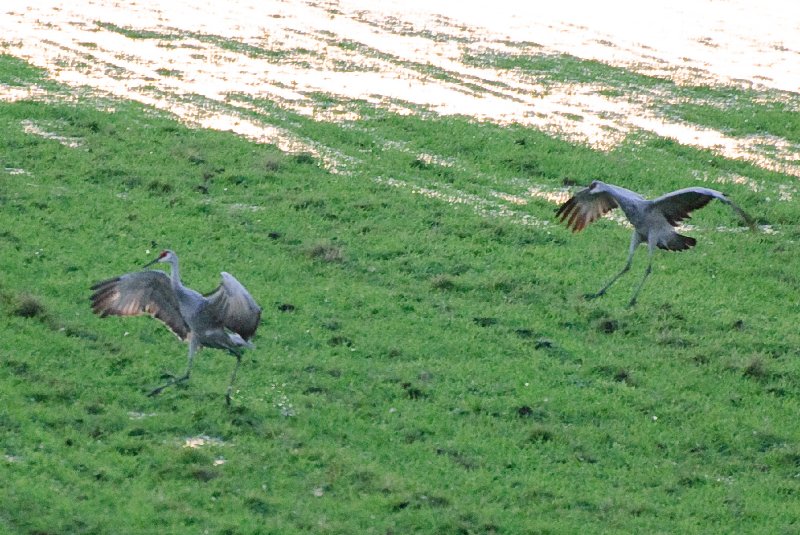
651,246
233,378
193,345
635,241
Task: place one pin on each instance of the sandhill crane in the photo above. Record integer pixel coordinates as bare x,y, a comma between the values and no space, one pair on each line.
652,220
224,319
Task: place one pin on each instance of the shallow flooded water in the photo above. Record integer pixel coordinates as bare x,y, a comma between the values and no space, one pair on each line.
207,62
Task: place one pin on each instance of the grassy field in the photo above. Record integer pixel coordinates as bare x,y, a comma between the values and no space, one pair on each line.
426,363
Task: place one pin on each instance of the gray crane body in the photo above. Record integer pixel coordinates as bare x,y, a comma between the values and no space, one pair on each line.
648,220
201,319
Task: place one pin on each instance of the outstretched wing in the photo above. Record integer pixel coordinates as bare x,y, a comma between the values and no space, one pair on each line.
585,207
678,205
233,305
144,292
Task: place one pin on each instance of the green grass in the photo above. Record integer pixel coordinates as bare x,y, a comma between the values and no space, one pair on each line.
134,33
745,118
20,74
421,366
566,68
224,43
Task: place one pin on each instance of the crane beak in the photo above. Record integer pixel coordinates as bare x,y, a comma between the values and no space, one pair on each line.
150,263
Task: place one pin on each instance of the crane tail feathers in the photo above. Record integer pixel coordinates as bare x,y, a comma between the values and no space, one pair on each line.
678,242
239,341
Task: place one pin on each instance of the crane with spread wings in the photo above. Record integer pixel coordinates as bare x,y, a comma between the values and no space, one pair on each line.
653,220
224,319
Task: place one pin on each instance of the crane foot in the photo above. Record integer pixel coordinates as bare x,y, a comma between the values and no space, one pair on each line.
157,391
228,396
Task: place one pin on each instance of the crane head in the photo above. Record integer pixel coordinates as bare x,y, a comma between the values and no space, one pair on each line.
165,256
595,186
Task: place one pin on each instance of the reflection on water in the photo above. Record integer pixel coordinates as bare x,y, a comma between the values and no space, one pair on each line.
480,205
29,127
202,440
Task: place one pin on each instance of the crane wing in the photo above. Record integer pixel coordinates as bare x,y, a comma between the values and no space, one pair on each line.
144,292
233,305
678,205
583,208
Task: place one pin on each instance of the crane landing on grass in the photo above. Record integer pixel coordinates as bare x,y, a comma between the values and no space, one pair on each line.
224,319
652,221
